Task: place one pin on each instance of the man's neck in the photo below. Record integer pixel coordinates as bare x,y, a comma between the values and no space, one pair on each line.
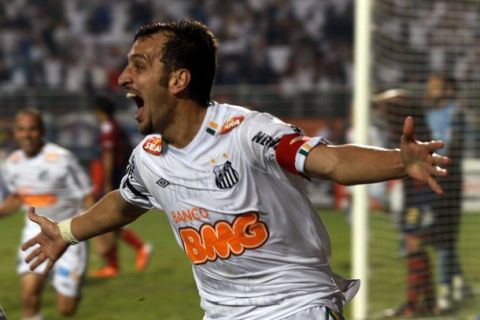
34,153
185,124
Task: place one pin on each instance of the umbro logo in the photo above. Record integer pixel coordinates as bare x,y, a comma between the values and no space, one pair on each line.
163,183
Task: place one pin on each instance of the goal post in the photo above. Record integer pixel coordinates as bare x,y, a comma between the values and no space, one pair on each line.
361,110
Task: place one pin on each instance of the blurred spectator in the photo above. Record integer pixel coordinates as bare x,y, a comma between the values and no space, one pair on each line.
415,214
77,45
446,120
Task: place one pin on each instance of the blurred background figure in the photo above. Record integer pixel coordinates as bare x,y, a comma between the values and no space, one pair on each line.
446,121
45,176
3,188
107,173
414,216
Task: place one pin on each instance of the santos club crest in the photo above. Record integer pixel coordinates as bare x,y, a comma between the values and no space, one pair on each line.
225,176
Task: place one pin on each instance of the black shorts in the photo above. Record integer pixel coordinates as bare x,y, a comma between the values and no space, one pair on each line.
436,225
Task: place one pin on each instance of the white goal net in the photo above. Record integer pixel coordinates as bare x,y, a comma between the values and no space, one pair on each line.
424,255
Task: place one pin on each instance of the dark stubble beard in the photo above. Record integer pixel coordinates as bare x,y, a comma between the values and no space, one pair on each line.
148,129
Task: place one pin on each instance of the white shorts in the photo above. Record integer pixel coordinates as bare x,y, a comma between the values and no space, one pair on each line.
67,273
316,313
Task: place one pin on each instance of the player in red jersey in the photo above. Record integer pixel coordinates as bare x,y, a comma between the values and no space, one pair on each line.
115,150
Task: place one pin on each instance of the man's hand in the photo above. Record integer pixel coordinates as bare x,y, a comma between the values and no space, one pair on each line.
421,163
51,244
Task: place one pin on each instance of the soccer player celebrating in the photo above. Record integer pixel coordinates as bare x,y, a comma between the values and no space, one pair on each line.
231,182
48,177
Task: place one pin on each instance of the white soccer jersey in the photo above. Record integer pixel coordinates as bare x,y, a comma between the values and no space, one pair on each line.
258,247
54,183
3,188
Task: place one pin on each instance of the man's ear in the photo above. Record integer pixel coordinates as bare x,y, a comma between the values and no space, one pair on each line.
179,80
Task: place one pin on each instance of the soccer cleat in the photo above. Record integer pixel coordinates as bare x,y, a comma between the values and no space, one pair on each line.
143,257
444,301
460,290
405,310
105,272
409,311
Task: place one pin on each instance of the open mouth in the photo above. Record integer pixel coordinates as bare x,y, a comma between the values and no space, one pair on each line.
139,102
136,98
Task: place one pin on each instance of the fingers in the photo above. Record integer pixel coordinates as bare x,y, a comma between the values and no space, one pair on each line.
38,260
439,172
434,145
29,243
435,186
34,254
438,163
408,127
48,268
33,216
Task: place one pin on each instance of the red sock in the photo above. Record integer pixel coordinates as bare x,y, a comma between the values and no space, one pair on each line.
111,257
419,280
132,239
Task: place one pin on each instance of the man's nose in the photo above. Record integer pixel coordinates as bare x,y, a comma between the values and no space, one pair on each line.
124,78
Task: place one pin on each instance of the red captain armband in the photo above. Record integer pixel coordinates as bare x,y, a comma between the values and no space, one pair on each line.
286,151
292,151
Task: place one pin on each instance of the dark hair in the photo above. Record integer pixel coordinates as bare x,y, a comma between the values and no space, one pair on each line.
34,113
450,83
105,105
191,45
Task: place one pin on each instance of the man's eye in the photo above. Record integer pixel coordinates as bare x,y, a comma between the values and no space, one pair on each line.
139,66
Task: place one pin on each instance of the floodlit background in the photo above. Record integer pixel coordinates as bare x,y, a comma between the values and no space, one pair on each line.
291,58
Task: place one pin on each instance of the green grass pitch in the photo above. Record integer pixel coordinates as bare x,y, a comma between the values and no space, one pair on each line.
166,290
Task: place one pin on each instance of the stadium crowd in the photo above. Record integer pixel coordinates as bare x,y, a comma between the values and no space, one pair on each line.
440,36
76,45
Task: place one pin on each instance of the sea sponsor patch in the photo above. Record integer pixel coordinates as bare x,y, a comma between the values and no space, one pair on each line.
231,124
14,158
153,146
52,157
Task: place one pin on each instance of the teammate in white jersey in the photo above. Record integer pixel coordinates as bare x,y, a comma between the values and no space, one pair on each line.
49,178
231,183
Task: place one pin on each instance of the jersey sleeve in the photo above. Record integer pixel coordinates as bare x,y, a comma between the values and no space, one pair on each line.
132,187
77,179
267,141
4,191
107,136
8,179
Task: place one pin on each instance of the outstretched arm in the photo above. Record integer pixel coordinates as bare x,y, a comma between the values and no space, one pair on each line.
10,205
353,164
110,213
